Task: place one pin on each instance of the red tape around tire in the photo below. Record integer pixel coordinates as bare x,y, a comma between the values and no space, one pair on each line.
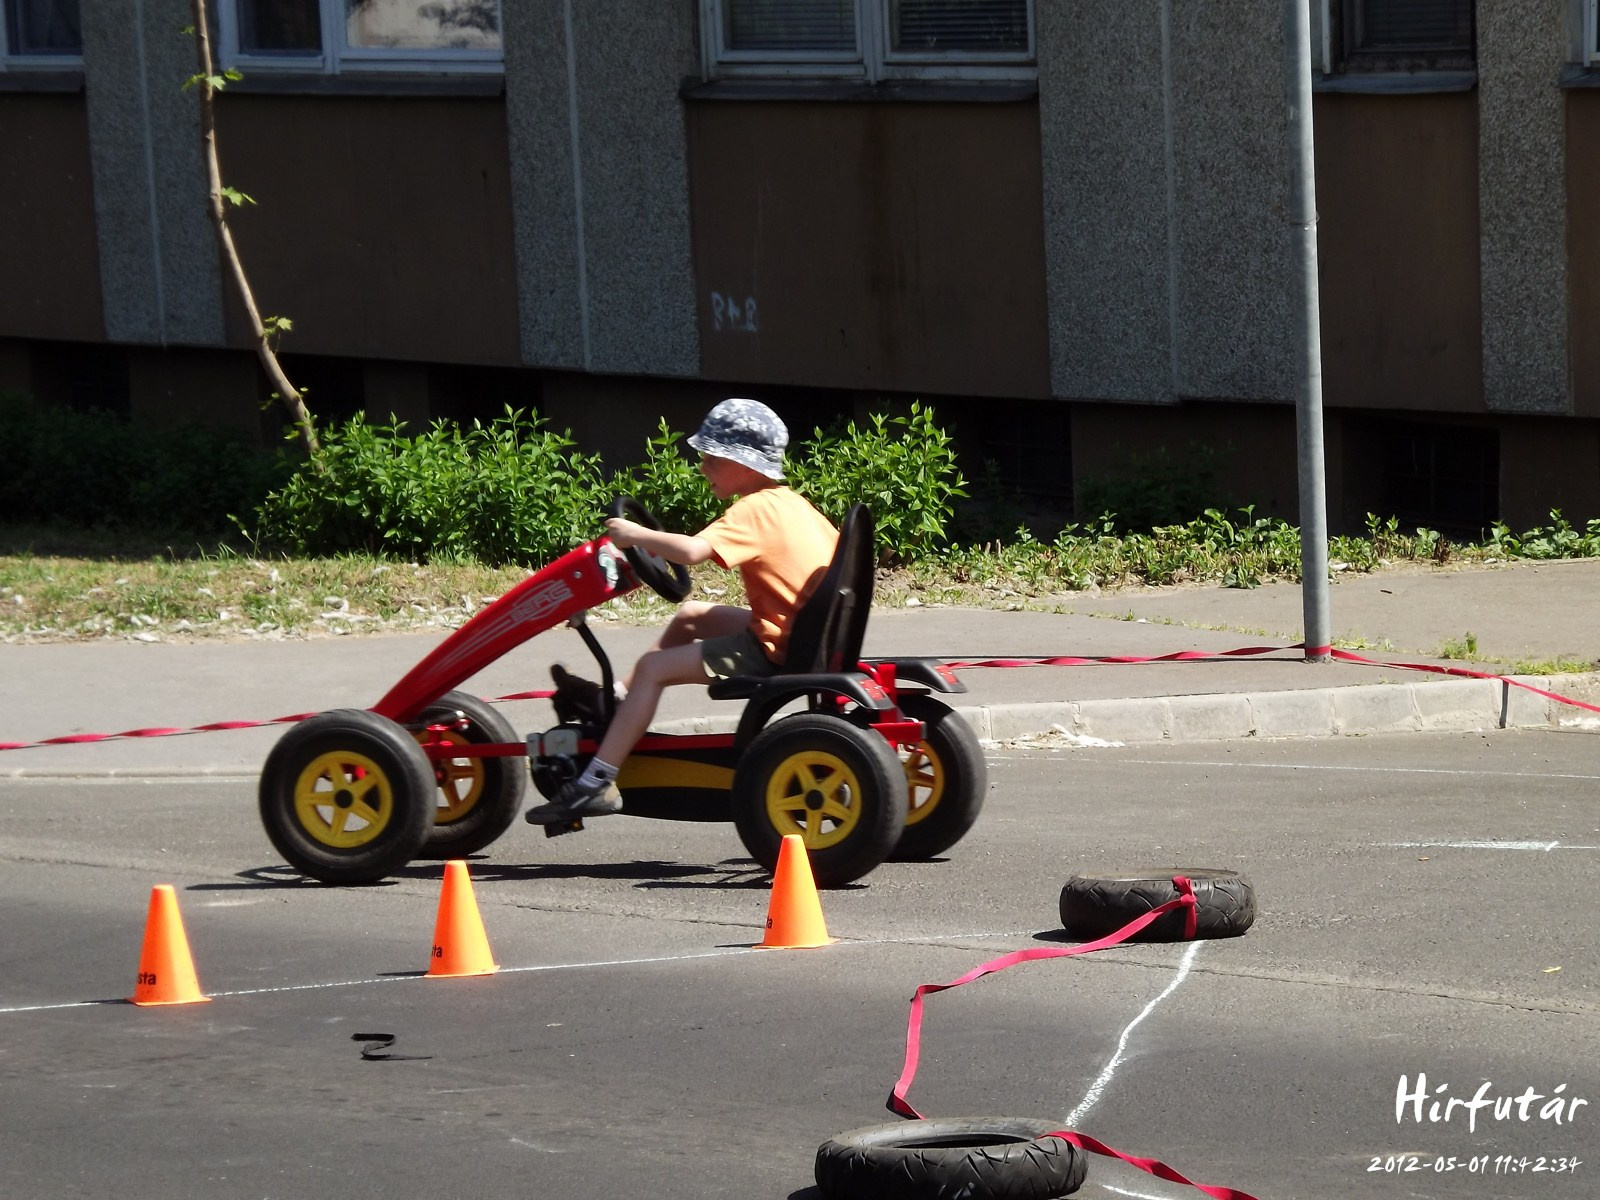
900,1106
954,664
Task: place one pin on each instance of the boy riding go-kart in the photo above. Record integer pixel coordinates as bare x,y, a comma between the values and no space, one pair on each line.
871,765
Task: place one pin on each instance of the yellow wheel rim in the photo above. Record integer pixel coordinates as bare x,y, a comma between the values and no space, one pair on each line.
460,779
816,795
925,776
343,800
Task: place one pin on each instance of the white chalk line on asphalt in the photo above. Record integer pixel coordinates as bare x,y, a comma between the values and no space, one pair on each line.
1098,1087
411,977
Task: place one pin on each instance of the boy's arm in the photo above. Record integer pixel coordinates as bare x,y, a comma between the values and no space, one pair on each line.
682,548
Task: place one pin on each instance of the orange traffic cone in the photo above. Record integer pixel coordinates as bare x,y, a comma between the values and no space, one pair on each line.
460,946
794,915
166,971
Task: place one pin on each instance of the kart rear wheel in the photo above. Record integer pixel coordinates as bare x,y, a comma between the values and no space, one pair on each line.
946,778
838,786
478,798
347,796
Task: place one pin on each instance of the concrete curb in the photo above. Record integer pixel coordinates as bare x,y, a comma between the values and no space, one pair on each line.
1428,706
1461,705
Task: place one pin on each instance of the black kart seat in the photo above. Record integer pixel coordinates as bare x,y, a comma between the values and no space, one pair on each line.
826,635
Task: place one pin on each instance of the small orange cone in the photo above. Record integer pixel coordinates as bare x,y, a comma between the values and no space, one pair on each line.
166,971
794,915
460,946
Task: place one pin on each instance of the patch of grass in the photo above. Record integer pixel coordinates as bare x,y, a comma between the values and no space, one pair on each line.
1551,666
1357,641
229,595
63,585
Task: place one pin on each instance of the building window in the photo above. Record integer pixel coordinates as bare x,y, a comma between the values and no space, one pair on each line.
1403,35
869,39
1443,476
362,35
41,33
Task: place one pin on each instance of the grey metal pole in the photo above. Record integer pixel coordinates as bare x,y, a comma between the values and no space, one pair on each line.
1308,337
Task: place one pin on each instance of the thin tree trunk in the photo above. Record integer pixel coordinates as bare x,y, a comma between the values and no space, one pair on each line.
288,394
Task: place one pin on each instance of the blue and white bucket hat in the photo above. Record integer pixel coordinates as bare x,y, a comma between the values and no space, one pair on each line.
746,432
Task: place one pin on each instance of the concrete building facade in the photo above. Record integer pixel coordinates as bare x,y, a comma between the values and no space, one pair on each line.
1061,222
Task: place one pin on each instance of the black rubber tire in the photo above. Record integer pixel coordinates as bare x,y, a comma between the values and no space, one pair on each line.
1094,905
975,1158
403,787
501,783
952,766
876,804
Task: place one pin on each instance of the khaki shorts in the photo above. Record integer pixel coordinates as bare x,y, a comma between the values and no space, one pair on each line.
738,654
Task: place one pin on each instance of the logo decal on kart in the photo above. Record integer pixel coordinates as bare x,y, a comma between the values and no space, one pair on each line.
527,609
610,563
534,605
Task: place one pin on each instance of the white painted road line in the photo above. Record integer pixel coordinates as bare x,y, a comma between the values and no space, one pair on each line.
1545,847
411,977
1476,773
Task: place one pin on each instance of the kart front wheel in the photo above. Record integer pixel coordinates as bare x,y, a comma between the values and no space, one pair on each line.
347,796
477,797
839,787
946,778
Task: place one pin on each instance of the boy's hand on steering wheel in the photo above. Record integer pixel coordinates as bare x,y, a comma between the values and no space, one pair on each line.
623,532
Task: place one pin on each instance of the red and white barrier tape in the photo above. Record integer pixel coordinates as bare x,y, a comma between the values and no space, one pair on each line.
953,664
899,1105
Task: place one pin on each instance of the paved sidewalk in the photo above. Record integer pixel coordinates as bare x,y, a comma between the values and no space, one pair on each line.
1514,613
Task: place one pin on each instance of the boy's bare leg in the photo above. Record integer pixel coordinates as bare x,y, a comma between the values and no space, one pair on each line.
695,621
678,659
653,673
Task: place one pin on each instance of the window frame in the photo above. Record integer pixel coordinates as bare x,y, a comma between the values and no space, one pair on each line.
1342,23
873,60
1591,33
10,60
338,58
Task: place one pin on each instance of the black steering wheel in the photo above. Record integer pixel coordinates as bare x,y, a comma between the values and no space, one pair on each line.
669,580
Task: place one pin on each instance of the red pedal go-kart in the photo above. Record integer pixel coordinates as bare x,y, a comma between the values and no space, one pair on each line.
858,758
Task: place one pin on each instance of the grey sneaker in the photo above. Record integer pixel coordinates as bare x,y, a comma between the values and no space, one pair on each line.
572,802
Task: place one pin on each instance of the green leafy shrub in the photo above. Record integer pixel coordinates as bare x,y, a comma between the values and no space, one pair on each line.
96,470
901,467
1556,540
669,483
508,492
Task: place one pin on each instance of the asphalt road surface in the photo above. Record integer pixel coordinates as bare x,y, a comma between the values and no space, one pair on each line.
1427,907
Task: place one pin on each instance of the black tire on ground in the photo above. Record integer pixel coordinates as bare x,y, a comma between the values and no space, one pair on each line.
947,778
840,787
976,1158
347,796
1094,905
478,798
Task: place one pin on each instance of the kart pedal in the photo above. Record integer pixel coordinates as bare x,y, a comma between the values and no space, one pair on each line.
557,828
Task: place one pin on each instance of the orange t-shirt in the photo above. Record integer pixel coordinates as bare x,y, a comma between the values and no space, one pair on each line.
781,546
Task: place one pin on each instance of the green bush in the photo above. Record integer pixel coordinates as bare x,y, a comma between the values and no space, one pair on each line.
508,492
95,470
515,492
670,485
903,468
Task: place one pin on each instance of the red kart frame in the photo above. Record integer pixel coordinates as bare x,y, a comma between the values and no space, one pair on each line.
870,770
